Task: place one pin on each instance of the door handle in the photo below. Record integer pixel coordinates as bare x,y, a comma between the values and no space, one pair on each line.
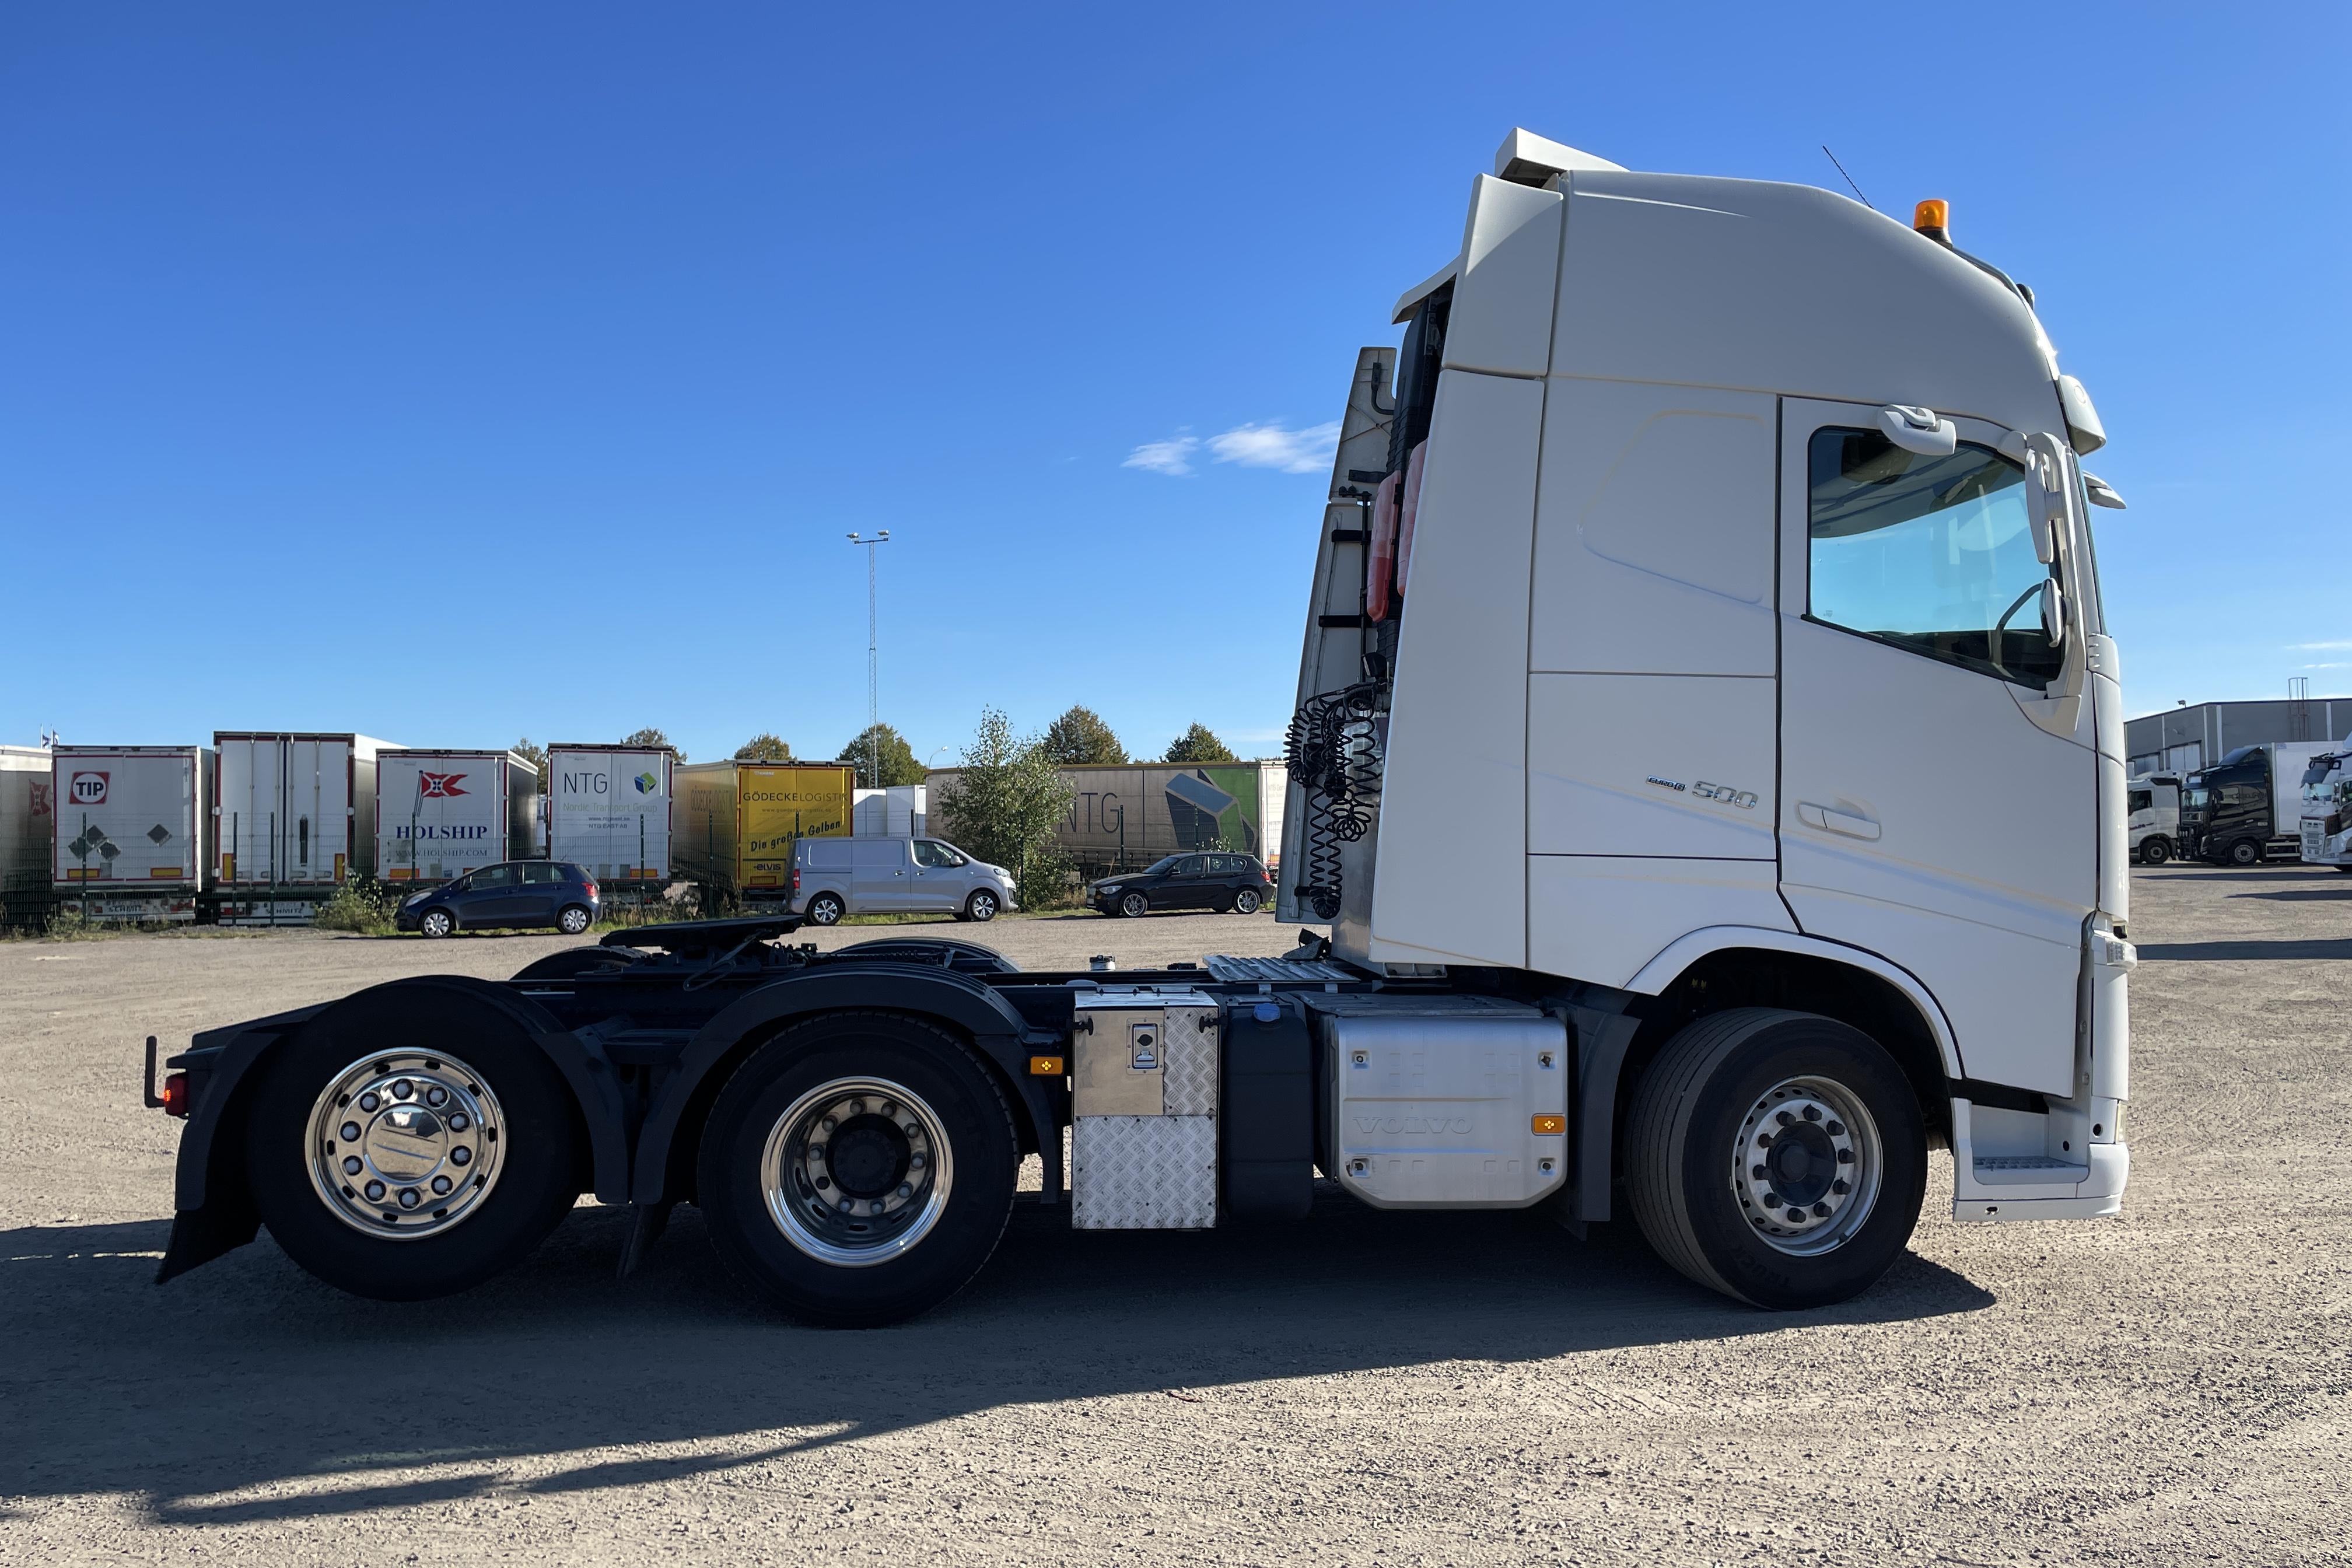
1830,821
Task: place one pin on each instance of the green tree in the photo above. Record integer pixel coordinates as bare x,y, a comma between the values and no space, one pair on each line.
1198,744
652,737
882,758
538,755
763,747
1006,801
1080,739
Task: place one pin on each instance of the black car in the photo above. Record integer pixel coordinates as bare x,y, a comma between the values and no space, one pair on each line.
513,893
1213,879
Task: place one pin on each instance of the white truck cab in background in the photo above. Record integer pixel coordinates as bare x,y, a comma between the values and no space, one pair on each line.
2326,825
2154,802
1701,511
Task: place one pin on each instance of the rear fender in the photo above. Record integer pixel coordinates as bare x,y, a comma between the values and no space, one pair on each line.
215,1208
970,1009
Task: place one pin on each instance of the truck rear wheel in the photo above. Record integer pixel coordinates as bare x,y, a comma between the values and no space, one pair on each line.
405,1147
858,1169
1778,1157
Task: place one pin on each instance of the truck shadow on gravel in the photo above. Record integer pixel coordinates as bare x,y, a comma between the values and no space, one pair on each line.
247,1391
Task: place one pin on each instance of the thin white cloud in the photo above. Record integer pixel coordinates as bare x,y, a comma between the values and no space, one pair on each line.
1254,446
1173,456
2320,647
2338,666
1269,445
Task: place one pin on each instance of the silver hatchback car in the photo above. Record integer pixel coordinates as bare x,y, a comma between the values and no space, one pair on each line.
837,876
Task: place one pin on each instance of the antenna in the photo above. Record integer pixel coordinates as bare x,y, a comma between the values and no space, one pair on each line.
1849,178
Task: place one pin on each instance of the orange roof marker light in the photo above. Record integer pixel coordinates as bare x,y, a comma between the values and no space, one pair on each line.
1933,218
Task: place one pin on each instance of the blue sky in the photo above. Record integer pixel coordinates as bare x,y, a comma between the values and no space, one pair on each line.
457,372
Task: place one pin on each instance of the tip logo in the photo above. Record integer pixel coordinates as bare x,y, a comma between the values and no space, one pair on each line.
437,787
88,789
647,783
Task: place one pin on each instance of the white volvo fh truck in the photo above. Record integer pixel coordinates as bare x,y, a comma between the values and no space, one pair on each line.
1693,514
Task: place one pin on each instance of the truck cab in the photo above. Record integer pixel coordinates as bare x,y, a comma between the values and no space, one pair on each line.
2326,827
2154,802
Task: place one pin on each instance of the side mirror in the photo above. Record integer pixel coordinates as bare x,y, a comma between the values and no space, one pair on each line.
2101,492
2053,613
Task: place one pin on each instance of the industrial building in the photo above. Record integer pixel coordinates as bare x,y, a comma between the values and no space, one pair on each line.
2179,739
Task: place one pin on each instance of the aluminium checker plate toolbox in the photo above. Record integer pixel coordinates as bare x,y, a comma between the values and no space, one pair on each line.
1143,1134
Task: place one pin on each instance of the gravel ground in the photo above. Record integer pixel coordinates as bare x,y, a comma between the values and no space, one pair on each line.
2170,1386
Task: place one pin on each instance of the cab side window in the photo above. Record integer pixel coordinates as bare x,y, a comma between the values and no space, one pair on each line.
1931,554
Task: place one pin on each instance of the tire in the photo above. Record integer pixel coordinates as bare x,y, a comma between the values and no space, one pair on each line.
1134,906
1713,1090
573,919
2246,852
436,922
2156,851
1246,902
506,1140
981,906
826,909
758,1178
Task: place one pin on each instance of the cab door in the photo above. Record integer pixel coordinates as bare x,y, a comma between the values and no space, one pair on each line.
1939,775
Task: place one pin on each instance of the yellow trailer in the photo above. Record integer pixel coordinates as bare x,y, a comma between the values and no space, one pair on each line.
733,824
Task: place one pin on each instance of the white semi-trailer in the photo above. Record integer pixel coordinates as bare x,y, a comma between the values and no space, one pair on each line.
439,815
608,810
26,819
293,818
1694,513
128,825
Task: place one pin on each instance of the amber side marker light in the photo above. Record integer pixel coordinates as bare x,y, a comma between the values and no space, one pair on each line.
1044,1067
1547,1126
175,1095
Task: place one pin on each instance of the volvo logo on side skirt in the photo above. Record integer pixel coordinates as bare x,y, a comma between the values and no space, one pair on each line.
1427,1126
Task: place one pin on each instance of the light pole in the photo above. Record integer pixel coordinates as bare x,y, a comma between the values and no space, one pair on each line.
873,664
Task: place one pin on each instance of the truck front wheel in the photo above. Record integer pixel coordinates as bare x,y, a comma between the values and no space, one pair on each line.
858,1169
2246,852
1778,1157
2156,851
405,1147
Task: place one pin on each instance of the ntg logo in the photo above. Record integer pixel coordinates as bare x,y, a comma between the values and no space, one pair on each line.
647,783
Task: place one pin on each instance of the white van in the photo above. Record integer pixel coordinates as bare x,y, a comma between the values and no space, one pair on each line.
837,876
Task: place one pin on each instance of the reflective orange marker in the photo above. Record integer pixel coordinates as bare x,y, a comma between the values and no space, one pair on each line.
1044,1067
1547,1126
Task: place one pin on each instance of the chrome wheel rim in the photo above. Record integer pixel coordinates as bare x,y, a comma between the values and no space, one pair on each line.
1133,904
1807,1165
1245,901
857,1172
405,1145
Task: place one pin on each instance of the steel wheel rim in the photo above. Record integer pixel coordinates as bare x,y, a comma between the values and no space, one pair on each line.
856,1205
405,1145
1822,1163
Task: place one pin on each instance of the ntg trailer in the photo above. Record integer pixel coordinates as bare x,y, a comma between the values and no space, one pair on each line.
608,809
1717,954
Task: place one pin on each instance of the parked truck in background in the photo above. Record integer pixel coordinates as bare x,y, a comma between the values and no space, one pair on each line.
1715,954
608,809
1122,818
441,813
293,818
129,830
27,821
2326,823
2248,807
734,824
2155,806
